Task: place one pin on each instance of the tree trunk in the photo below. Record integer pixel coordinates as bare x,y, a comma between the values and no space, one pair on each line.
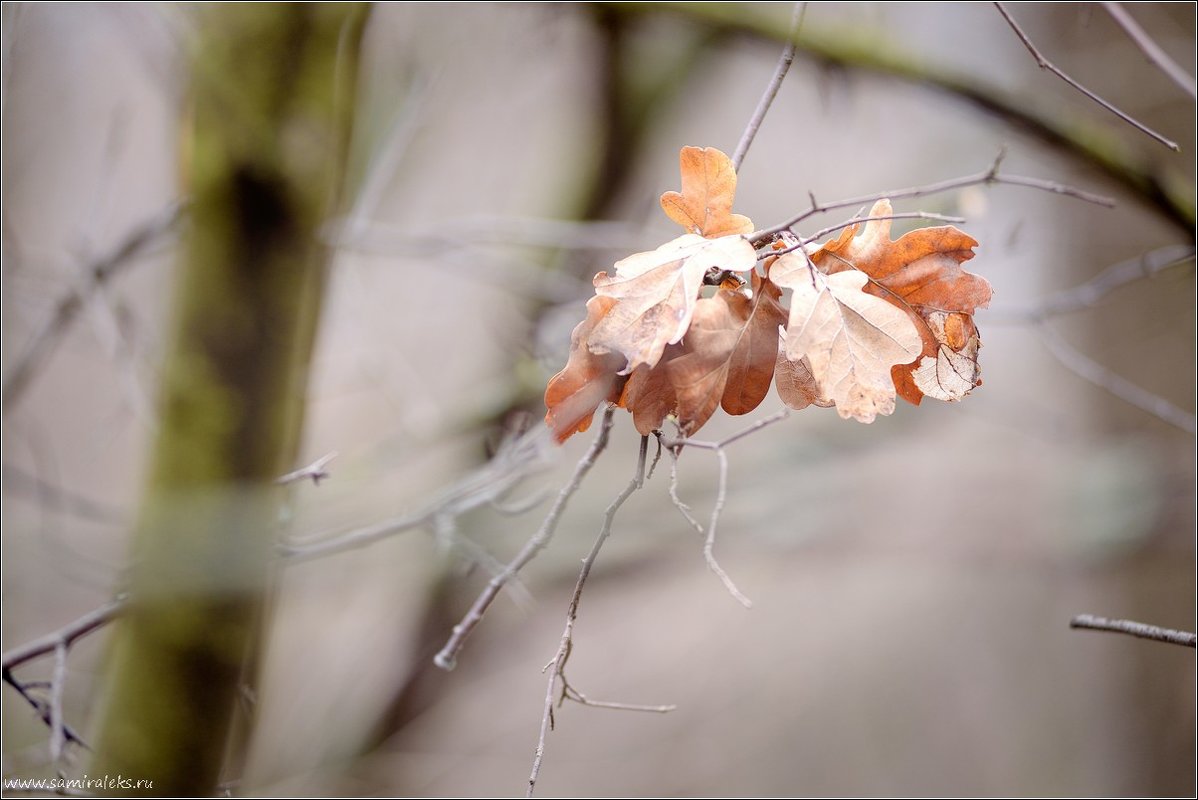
273,91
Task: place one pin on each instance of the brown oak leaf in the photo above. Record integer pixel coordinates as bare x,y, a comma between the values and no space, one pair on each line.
700,374
850,339
751,366
656,293
649,395
588,378
704,206
921,274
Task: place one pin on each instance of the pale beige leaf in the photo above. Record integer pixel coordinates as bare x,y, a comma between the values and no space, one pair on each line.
850,339
796,385
656,293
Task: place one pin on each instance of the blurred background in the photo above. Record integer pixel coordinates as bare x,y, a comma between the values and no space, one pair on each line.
912,580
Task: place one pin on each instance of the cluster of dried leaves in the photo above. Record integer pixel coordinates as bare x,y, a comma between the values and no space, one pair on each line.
867,318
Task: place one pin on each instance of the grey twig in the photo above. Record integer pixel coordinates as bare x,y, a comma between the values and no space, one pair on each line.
571,693
675,448
1131,628
316,471
986,177
447,657
1151,49
1048,65
96,274
557,665
771,90
57,642
1089,369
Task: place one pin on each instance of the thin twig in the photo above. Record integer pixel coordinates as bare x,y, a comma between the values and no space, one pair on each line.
556,667
447,657
1151,49
316,471
578,697
1089,369
709,544
857,220
1131,628
771,90
1048,65
95,275
989,176
682,507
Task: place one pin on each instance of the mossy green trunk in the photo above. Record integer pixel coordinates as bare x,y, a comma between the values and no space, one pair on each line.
272,100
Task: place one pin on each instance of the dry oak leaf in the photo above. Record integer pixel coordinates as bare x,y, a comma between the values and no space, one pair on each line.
751,365
796,385
649,396
656,293
921,274
588,379
704,206
850,339
700,374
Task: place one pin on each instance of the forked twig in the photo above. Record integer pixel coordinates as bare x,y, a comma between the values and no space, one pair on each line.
1048,65
1132,628
557,665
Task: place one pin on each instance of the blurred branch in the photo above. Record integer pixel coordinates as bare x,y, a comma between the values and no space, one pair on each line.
1085,367
18,481
986,177
1044,63
771,89
1137,629
447,657
557,665
1151,49
1169,194
95,274
1086,295
316,471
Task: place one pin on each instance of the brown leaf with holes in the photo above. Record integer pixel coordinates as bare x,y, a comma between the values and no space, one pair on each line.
850,339
921,274
704,206
656,293
588,379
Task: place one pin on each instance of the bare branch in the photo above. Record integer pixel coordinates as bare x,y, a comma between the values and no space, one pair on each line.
556,667
66,635
987,177
57,681
95,275
316,471
1048,65
771,89
1089,369
1151,49
447,657
1138,629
